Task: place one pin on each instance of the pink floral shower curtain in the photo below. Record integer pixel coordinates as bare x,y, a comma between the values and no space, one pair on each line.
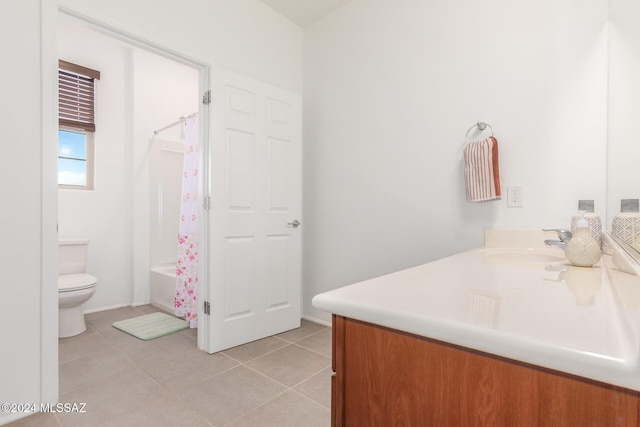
186,299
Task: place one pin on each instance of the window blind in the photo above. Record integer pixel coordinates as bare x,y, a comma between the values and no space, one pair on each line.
76,96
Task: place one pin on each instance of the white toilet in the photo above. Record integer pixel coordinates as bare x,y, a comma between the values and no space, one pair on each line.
74,285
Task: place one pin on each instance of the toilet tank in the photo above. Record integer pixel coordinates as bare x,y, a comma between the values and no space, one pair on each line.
72,254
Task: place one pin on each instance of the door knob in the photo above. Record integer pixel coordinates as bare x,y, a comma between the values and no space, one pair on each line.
295,223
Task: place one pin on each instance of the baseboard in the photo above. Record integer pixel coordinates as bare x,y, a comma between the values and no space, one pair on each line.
138,304
111,307
316,320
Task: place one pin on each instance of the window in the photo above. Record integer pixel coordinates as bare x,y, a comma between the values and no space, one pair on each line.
76,119
75,158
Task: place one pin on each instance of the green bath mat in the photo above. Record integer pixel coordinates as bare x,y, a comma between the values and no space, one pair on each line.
151,326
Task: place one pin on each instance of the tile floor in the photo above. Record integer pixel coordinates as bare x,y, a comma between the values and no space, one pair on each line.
283,380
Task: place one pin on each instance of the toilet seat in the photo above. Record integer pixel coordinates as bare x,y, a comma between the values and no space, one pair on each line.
75,282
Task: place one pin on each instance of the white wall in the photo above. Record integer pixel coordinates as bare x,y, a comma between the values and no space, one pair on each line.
390,88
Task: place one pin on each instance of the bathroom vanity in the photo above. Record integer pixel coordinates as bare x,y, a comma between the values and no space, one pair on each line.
504,336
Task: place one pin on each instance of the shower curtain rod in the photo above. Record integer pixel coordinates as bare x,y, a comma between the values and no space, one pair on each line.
181,120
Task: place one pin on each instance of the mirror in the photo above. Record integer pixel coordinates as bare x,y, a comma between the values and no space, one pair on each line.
623,163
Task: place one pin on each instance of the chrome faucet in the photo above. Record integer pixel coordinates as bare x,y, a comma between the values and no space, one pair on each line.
563,235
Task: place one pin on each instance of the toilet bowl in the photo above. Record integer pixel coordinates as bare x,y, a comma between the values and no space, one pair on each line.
73,290
74,286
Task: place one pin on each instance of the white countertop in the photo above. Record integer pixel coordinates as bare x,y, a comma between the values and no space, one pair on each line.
545,312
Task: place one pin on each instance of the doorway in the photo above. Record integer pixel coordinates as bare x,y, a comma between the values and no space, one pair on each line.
121,197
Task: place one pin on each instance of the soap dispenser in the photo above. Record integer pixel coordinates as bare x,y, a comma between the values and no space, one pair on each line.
594,221
582,250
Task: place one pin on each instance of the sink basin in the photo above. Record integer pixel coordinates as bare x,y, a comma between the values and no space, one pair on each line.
534,255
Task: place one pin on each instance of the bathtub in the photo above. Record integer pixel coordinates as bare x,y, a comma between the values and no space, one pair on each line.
163,286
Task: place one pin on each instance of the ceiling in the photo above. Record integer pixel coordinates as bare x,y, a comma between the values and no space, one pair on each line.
304,12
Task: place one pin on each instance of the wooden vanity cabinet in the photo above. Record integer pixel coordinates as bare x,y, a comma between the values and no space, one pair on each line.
383,377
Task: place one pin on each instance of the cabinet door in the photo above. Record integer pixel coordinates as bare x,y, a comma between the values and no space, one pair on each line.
567,400
388,378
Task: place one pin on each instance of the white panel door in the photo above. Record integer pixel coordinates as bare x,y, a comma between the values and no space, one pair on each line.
255,242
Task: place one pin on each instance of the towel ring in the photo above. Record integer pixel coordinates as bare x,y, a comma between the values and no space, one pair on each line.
481,126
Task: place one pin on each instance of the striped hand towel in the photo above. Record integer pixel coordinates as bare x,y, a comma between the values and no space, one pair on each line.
481,170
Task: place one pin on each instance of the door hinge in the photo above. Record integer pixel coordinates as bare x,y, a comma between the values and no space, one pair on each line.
206,203
207,308
206,98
